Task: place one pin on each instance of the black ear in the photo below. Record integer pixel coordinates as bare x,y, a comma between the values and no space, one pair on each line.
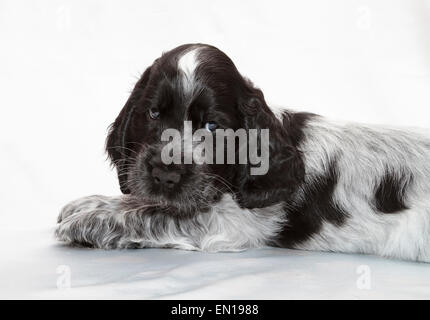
286,168
116,142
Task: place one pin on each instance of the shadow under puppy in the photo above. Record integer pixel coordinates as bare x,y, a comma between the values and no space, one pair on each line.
329,186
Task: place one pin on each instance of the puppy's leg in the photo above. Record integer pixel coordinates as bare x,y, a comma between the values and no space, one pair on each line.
117,222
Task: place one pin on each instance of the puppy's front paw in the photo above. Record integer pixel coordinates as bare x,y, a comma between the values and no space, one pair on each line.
86,221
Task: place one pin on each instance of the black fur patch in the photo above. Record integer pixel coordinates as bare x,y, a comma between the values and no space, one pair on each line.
306,218
389,195
286,172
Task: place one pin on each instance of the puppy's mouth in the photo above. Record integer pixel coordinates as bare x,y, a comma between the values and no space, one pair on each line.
183,203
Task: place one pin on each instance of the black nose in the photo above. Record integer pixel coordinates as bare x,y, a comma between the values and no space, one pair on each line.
165,178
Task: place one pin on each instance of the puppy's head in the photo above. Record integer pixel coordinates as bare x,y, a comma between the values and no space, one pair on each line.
199,84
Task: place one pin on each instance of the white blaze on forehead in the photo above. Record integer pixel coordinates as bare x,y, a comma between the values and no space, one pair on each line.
187,64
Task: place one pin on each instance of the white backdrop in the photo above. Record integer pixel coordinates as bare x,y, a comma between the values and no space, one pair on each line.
67,67
66,70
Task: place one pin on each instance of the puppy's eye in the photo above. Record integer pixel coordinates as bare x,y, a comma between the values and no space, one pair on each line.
154,113
211,126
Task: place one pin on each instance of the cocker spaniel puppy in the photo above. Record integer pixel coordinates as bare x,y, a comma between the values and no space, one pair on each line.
329,186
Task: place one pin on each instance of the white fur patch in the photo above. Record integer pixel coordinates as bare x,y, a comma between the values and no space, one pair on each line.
187,64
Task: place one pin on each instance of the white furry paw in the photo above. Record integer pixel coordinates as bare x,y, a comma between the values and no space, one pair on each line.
90,222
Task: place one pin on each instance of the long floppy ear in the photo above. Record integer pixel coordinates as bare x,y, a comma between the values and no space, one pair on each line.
286,169
116,142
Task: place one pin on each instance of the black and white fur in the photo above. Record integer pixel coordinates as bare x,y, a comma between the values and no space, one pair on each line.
331,186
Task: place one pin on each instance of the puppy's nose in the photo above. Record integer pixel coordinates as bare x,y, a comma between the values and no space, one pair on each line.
165,178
